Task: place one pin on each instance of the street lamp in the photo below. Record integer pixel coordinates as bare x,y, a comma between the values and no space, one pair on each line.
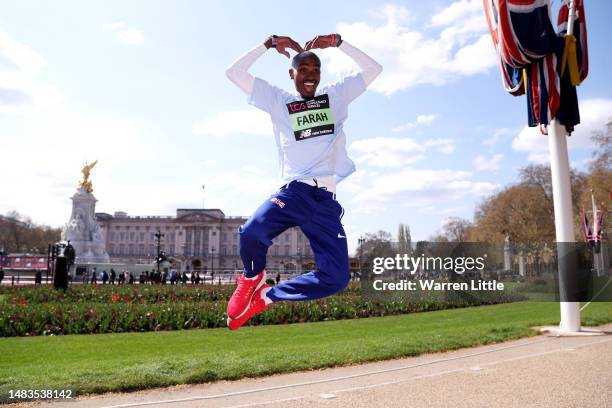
2,255
183,256
361,242
212,262
299,250
158,236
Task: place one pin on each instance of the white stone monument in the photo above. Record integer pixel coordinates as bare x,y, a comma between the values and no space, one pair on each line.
507,254
82,230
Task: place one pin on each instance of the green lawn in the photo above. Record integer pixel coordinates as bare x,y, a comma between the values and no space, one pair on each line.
111,362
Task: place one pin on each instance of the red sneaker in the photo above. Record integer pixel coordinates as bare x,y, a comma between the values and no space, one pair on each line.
257,305
239,302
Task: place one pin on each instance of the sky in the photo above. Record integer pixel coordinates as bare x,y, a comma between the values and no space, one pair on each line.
140,87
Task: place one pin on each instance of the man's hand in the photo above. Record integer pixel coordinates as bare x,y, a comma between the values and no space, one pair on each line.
281,43
323,41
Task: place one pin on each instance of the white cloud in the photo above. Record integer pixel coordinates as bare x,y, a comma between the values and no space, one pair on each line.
395,152
130,36
474,58
411,57
19,57
20,92
457,12
594,114
251,121
420,188
424,120
113,26
125,34
50,152
444,146
498,135
253,170
481,163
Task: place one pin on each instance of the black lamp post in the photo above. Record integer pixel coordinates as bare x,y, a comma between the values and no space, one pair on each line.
299,250
212,262
361,242
158,237
2,255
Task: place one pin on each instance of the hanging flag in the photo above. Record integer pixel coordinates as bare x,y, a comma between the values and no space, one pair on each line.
533,55
593,236
575,53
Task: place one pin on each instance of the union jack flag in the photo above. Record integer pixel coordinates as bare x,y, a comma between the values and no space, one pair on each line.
530,52
592,236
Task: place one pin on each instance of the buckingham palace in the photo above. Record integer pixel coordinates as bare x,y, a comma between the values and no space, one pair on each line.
203,240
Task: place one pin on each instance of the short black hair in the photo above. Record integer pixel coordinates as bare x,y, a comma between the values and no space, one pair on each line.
303,56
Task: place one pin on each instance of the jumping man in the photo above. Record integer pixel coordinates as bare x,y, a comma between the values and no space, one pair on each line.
308,129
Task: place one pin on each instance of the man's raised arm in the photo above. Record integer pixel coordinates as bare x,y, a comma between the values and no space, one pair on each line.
238,72
370,69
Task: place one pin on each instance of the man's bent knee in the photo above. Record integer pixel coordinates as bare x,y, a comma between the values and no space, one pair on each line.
337,284
249,236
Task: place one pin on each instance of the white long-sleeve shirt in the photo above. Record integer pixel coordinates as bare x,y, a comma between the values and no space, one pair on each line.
239,74
309,134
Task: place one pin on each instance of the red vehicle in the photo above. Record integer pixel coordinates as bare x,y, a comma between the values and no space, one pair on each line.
24,261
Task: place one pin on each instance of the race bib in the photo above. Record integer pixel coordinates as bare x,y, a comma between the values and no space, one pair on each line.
311,118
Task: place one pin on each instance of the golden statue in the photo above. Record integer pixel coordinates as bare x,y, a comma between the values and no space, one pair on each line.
85,183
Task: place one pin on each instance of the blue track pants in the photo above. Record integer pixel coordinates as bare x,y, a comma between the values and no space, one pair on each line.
318,214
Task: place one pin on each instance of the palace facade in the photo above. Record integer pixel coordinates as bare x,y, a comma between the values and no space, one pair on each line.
203,240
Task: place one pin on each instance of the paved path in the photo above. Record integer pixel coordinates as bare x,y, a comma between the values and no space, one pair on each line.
542,371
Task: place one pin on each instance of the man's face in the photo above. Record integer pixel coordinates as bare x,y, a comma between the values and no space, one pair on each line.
306,77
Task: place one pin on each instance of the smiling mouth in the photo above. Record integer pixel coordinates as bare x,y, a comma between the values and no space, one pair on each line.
309,85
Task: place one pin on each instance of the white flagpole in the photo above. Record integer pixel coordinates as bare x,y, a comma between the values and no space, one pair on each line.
597,258
564,224
595,224
562,199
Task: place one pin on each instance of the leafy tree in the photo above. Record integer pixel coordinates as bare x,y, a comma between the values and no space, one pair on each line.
456,229
599,180
19,234
521,212
602,157
539,175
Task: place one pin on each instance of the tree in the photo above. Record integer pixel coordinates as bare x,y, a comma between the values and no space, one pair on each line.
456,229
19,234
374,245
404,240
375,240
602,157
599,180
521,212
539,175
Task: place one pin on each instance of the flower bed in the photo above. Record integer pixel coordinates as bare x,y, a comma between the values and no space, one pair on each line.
31,311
